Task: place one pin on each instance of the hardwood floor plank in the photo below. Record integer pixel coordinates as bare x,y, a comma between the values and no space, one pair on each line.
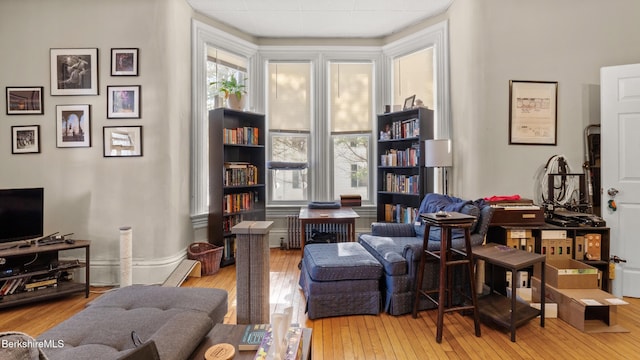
383,337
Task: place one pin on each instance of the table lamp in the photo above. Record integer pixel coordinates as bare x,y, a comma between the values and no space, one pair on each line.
437,154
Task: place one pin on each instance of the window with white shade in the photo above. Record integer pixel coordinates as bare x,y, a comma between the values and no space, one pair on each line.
351,118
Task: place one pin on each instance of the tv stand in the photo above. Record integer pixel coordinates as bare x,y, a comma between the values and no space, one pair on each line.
24,265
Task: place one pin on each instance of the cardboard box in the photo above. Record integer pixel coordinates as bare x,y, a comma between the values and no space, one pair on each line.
554,244
592,246
588,310
578,252
568,274
521,239
550,309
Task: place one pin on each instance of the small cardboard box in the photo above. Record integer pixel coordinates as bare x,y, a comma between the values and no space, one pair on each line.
592,246
568,274
550,309
588,310
579,248
521,239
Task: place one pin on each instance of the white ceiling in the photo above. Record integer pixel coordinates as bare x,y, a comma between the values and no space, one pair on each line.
319,18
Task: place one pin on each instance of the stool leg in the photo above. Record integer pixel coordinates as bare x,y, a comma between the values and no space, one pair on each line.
443,282
472,282
420,274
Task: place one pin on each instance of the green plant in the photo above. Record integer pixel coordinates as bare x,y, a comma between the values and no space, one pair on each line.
230,86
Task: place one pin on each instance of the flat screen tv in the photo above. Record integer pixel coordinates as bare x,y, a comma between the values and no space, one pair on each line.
21,214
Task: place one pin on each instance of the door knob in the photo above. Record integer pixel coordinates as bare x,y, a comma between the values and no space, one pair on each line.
612,192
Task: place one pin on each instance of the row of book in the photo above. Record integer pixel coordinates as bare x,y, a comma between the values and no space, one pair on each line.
401,129
258,337
407,157
233,203
240,173
399,213
231,221
242,135
406,184
18,285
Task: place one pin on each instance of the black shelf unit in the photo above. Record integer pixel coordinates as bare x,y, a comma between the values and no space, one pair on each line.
43,263
230,202
498,234
404,133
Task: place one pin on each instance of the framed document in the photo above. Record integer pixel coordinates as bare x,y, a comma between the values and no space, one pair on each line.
533,112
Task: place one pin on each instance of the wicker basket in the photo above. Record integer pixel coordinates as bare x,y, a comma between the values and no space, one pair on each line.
209,256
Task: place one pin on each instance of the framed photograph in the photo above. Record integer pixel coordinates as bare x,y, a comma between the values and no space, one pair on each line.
122,141
533,112
124,62
123,102
25,100
73,126
74,71
408,102
25,139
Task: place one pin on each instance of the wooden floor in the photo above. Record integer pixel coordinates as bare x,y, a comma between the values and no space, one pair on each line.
384,336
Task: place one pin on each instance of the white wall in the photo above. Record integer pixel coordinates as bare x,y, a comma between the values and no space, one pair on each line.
494,41
85,193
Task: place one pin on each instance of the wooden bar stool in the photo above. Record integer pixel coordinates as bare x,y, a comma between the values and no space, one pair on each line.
449,258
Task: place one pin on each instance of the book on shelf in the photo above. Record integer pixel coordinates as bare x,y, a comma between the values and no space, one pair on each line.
40,284
294,345
252,336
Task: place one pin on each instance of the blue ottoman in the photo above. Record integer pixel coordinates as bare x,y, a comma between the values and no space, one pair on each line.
340,279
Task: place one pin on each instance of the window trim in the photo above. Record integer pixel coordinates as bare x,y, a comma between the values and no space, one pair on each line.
204,35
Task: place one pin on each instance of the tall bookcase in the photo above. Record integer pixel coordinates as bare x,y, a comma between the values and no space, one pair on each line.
402,178
236,175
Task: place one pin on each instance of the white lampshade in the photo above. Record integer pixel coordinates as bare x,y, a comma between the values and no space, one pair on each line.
437,153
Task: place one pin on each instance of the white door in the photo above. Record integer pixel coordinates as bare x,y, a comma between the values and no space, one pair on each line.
620,157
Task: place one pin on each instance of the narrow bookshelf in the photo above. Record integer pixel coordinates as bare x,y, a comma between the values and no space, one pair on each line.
402,178
236,175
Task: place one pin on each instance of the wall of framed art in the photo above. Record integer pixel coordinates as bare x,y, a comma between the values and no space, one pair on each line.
57,110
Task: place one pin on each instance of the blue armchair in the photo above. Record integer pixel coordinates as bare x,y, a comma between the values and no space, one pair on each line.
398,248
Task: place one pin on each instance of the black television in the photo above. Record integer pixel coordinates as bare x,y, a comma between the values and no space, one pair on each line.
21,214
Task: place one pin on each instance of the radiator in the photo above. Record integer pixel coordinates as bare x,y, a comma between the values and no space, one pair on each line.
342,231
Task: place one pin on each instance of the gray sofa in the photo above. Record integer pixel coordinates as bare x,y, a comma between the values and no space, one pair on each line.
398,248
175,318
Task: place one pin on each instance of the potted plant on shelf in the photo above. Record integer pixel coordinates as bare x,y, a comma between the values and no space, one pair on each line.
233,92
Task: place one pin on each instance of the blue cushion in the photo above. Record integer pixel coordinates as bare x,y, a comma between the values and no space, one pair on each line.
437,202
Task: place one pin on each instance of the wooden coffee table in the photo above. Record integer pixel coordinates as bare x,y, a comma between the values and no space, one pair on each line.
505,312
232,334
342,215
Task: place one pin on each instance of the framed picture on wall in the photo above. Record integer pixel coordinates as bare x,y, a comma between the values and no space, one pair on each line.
25,100
25,139
123,102
73,126
74,71
122,141
533,112
124,62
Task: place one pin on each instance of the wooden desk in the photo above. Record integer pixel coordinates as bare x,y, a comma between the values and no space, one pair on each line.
231,334
505,312
343,215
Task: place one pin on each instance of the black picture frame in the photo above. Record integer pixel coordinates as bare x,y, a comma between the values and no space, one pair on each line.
122,141
123,102
74,71
25,100
533,112
124,61
25,139
73,126
408,102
